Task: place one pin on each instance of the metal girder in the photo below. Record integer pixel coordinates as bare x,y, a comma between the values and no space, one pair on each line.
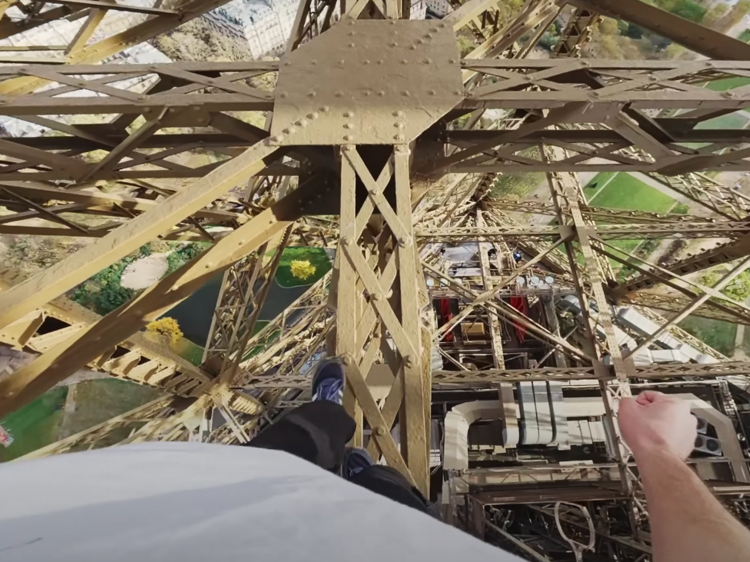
124,423
709,193
137,29
130,88
674,303
377,285
724,253
677,283
576,33
490,377
65,275
199,94
136,358
65,358
287,342
667,229
692,306
379,296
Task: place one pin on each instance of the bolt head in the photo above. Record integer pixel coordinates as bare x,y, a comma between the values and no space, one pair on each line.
379,431
346,360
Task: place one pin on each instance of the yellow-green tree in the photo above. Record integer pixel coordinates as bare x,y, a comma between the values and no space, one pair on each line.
302,269
165,328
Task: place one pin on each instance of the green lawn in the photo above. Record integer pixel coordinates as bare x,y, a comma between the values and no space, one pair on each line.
622,191
627,192
597,183
734,120
728,83
718,334
35,425
316,256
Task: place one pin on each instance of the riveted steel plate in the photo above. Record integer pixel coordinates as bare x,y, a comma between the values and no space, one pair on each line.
367,82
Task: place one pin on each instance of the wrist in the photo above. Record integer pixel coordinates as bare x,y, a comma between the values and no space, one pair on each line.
655,459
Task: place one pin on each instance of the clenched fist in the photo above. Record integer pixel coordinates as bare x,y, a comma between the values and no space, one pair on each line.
654,422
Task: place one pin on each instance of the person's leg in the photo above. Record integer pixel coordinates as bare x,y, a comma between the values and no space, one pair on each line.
317,432
359,469
389,482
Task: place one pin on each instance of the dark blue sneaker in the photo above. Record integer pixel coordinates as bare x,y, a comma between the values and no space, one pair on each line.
328,381
355,461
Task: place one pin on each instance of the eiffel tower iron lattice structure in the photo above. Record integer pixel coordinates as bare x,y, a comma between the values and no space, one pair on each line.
382,143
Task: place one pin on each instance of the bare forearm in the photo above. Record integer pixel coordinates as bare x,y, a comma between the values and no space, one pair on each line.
687,523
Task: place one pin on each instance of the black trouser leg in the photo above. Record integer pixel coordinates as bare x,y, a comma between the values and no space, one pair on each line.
389,482
318,432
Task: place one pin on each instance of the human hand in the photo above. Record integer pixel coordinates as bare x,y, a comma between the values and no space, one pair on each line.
654,422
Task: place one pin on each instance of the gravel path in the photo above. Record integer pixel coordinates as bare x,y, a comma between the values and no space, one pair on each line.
144,272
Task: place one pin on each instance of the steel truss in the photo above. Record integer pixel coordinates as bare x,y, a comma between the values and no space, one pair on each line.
405,175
